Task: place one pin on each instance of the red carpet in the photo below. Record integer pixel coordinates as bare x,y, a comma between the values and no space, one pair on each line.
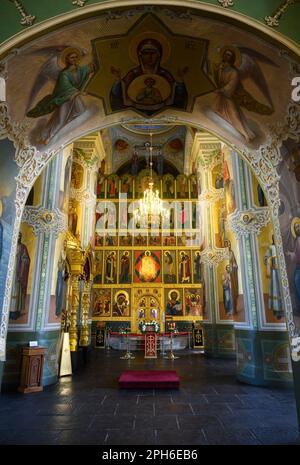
167,379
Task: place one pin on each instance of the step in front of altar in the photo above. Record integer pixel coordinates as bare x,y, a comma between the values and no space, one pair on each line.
150,379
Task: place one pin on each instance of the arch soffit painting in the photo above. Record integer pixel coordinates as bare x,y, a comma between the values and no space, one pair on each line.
263,159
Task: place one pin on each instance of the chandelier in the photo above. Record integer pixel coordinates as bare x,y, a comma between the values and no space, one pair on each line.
150,207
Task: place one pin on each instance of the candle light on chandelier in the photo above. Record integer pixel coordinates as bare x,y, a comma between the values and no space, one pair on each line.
150,208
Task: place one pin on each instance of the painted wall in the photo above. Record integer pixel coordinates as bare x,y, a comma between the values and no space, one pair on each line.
44,10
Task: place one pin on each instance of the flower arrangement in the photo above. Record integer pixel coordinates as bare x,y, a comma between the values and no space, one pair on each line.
144,326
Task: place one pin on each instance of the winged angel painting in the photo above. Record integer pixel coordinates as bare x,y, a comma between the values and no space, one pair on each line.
66,102
238,65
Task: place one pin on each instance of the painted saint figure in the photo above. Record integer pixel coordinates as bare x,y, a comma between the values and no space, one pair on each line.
148,73
20,280
62,276
295,258
174,305
121,305
197,267
125,268
110,267
227,291
234,277
274,300
238,64
169,274
65,103
184,268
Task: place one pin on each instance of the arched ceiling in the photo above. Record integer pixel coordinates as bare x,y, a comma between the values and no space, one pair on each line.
256,11
185,78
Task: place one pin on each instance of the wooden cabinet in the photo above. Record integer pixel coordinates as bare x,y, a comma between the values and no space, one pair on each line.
32,369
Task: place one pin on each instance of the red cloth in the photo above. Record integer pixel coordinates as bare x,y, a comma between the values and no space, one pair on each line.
164,379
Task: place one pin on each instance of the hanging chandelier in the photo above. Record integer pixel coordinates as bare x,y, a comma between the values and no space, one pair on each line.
150,208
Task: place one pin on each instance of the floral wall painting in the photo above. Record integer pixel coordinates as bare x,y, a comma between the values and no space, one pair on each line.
8,172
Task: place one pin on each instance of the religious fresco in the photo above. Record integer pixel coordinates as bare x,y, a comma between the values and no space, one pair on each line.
218,176
169,266
22,285
77,175
121,303
65,182
168,186
182,186
289,217
224,282
219,222
229,183
194,301
269,266
229,284
59,281
8,172
258,193
125,274
110,267
102,303
147,267
76,77
174,302
98,267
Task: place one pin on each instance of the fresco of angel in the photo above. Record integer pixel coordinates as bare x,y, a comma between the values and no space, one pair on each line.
65,103
238,64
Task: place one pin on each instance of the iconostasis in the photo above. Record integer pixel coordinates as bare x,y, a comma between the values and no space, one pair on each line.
146,274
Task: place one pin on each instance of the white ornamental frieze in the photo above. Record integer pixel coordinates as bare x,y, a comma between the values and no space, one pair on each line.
82,196
45,221
211,196
249,221
213,256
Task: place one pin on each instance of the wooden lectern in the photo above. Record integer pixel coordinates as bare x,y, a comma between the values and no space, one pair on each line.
32,369
150,342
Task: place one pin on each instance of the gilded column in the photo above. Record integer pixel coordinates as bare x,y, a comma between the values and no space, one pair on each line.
74,313
85,305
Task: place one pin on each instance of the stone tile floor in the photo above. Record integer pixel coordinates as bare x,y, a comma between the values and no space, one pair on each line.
210,408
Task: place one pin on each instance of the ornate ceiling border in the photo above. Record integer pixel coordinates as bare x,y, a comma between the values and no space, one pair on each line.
110,6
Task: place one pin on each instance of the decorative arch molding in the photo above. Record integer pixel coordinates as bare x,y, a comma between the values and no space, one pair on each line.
263,163
114,9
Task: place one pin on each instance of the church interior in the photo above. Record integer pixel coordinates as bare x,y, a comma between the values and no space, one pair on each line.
149,221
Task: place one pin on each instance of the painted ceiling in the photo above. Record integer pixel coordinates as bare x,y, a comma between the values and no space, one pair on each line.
145,66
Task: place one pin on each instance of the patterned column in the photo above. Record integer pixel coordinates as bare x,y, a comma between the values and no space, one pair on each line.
218,333
46,222
262,345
